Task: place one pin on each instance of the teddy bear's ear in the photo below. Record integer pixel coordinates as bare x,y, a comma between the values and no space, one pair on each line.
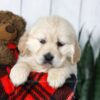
22,47
20,24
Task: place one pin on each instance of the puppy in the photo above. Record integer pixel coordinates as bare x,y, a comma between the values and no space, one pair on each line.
50,46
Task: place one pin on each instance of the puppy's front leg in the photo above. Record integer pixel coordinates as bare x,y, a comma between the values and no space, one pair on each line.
57,76
19,73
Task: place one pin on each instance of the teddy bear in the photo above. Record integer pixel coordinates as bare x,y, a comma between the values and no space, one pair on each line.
12,28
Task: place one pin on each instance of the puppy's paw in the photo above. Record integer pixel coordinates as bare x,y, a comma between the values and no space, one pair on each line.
56,79
18,75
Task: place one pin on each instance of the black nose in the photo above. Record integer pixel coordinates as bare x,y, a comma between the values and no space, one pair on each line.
48,57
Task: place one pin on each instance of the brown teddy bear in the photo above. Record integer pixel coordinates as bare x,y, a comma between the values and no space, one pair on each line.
11,28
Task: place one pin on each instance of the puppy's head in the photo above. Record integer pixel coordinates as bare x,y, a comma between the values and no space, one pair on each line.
52,41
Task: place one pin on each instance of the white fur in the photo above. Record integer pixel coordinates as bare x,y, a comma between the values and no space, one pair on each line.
51,29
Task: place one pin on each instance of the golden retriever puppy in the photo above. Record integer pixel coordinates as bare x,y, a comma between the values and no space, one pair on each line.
50,46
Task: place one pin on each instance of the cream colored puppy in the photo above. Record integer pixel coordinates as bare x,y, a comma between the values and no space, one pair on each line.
50,46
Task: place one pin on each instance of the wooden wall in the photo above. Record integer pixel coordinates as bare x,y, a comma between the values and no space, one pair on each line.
78,12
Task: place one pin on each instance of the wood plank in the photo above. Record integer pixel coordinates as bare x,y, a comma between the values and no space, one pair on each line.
69,9
11,5
90,17
33,9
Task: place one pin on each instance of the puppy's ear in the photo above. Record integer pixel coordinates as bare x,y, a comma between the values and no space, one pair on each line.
22,47
73,54
76,56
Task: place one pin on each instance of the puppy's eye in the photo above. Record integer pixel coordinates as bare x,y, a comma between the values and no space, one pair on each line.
42,41
59,44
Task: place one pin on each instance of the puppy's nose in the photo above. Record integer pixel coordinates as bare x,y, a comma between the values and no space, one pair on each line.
48,57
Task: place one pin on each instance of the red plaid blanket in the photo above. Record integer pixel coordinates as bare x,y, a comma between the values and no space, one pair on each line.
36,87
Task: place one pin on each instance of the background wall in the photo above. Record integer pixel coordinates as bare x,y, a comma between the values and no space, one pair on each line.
79,12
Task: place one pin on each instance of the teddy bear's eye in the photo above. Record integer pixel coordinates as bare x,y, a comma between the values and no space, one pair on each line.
10,29
60,44
42,41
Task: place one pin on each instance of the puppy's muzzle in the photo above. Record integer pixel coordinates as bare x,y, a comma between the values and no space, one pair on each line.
48,58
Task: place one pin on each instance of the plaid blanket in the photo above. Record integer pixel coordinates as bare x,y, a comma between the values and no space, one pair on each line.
36,87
